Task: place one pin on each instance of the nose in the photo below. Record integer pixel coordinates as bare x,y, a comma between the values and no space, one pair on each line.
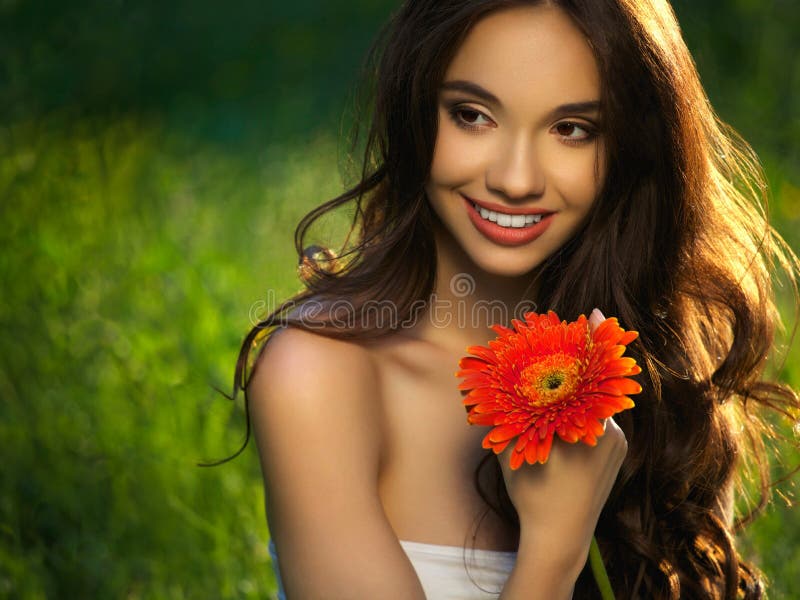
517,172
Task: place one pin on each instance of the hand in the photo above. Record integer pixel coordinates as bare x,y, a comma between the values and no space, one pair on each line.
559,502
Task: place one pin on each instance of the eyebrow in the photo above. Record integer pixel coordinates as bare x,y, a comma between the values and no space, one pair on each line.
469,87
590,106
563,110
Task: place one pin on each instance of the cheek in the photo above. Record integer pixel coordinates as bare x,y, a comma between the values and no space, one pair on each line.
579,176
457,156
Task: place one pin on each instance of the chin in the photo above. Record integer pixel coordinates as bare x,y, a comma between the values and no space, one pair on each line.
501,266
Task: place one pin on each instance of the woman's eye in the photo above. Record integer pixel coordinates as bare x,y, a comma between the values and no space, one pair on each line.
574,132
470,118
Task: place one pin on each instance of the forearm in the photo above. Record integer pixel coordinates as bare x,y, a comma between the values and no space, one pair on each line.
543,571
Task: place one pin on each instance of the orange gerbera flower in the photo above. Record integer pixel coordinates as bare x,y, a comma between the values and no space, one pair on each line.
547,377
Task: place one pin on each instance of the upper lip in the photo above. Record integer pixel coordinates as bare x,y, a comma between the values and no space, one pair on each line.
508,210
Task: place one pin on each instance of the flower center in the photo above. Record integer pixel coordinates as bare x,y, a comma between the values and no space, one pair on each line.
550,379
554,380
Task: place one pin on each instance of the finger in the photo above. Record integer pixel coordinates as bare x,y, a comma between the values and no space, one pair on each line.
595,318
610,424
615,432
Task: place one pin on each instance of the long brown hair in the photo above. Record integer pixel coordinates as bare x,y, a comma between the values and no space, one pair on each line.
678,247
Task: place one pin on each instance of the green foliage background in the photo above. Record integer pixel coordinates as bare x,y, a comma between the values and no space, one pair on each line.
154,159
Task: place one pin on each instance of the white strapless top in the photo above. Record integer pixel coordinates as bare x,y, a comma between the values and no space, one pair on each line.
449,572
456,573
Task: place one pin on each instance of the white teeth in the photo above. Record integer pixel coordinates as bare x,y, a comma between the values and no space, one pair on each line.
504,220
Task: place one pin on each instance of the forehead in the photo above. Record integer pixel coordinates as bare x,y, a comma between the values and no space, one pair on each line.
528,52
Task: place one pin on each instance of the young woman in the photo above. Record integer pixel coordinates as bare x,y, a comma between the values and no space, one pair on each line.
561,153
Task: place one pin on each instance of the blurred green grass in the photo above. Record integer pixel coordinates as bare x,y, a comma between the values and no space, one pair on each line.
145,221
130,268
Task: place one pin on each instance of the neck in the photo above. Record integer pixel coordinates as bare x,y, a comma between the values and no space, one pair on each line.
467,300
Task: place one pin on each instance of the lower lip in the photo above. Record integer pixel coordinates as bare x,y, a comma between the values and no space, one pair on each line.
507,236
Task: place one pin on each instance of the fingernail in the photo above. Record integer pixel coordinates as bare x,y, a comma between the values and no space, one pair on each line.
597,314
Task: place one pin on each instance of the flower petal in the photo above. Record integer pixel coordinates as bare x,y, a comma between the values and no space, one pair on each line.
501,331
471,362
619,386
546,377
517,458
498,448
544,449
589,439
532,452
480,419
505,432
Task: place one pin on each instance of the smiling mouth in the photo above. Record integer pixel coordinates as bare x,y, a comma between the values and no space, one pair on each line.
513,228
512,218
506,220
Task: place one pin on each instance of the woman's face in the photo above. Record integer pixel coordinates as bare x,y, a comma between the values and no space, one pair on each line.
518,159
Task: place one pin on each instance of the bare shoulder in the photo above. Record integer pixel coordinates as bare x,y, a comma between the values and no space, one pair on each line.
294,352
316,414
302,375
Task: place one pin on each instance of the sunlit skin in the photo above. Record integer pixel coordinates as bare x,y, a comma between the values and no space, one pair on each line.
522,134
520,149
405,456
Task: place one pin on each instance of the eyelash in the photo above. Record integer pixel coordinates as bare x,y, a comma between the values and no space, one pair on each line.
456,113
591,133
